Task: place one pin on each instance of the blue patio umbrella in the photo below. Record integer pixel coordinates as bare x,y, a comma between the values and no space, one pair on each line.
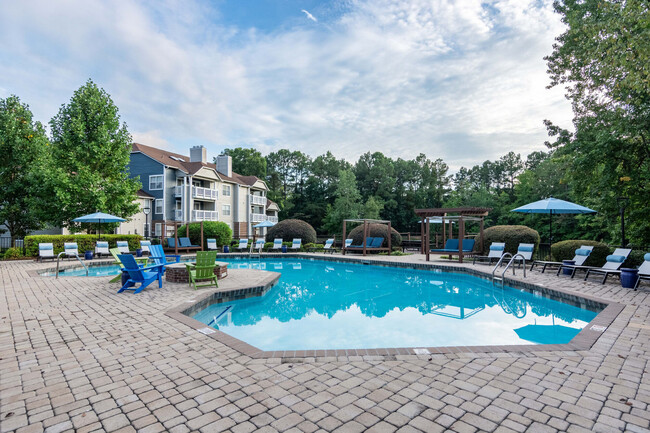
99,218
265,223
553,206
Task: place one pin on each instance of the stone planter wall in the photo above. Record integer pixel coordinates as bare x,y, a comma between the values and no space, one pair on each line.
177,272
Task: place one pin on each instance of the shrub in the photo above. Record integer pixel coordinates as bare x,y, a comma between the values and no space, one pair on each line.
635,259
84,242
13,253
292,229
211,230
511,235
375,230
566,250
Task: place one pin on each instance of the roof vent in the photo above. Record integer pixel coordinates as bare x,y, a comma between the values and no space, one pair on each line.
198,154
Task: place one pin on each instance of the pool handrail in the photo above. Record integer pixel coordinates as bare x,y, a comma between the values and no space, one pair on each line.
58,258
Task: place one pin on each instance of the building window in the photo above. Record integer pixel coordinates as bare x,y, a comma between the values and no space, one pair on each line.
225,210
159,206
158,229
226,191
156,182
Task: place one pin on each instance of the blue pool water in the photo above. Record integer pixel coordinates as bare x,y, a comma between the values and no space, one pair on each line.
329,305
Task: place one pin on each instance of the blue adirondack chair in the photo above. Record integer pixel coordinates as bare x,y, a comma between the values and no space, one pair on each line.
143,276
160,258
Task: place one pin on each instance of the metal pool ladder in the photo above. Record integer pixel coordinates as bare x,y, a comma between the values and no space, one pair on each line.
512,260
59,258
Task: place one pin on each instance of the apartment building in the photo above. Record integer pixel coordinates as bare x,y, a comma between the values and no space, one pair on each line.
189,189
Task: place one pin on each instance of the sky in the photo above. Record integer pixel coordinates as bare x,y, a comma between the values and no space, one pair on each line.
461,80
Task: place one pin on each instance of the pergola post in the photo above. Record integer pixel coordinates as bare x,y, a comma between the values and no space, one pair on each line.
422,235
343,240
428,233
481,236
390,248
365,236
461,235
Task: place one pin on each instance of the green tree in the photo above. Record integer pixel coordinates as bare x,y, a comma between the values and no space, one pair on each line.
23,147
91,151
347,205
602,60
247,162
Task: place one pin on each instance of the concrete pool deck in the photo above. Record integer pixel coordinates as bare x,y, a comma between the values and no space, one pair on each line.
76,356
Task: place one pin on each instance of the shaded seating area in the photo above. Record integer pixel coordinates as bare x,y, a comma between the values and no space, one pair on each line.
370,244
460,246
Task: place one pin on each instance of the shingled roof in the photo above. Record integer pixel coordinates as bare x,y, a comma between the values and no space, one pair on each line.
182,162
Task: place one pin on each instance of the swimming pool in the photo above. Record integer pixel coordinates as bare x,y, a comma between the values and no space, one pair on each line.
323,305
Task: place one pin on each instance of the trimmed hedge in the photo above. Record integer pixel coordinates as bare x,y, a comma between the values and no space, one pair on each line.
375,230
291,229
211,229
84,242
565,250
511,235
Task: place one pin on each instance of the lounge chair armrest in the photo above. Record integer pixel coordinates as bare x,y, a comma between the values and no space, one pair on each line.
190,266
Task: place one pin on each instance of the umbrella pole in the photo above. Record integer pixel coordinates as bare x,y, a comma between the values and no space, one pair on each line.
550,233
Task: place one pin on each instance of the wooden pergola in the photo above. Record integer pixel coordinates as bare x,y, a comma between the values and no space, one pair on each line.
459,215
366,223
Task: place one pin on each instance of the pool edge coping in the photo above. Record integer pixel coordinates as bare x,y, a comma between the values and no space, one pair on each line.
585,339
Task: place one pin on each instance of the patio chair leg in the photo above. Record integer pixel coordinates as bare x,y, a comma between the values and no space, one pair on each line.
605,277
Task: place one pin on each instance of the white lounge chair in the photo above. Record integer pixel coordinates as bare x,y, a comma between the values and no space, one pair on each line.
277,244
348,242
644,271
123,246
70,249
612,264
243,244
525,251
329,246
259,244
212,244
581,255
101,247
496,251
45,251
144,246
297,243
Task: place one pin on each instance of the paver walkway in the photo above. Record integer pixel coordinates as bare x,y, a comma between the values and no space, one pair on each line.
76,356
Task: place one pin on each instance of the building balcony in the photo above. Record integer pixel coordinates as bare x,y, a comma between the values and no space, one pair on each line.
259,217
204,193
205,215
178,191
178,215
258,200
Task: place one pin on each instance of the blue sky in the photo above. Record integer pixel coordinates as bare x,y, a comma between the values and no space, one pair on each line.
459,80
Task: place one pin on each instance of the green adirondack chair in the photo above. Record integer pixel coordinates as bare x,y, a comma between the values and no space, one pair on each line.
203,269
115,252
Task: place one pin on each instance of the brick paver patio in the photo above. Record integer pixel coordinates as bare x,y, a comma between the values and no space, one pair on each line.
76,356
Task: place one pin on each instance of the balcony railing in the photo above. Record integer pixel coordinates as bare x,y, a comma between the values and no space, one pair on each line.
178,215
205,215
258,200
257,217
273,219
207,193
178,191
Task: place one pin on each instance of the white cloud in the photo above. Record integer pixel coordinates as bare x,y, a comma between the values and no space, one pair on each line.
460,80
309,16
